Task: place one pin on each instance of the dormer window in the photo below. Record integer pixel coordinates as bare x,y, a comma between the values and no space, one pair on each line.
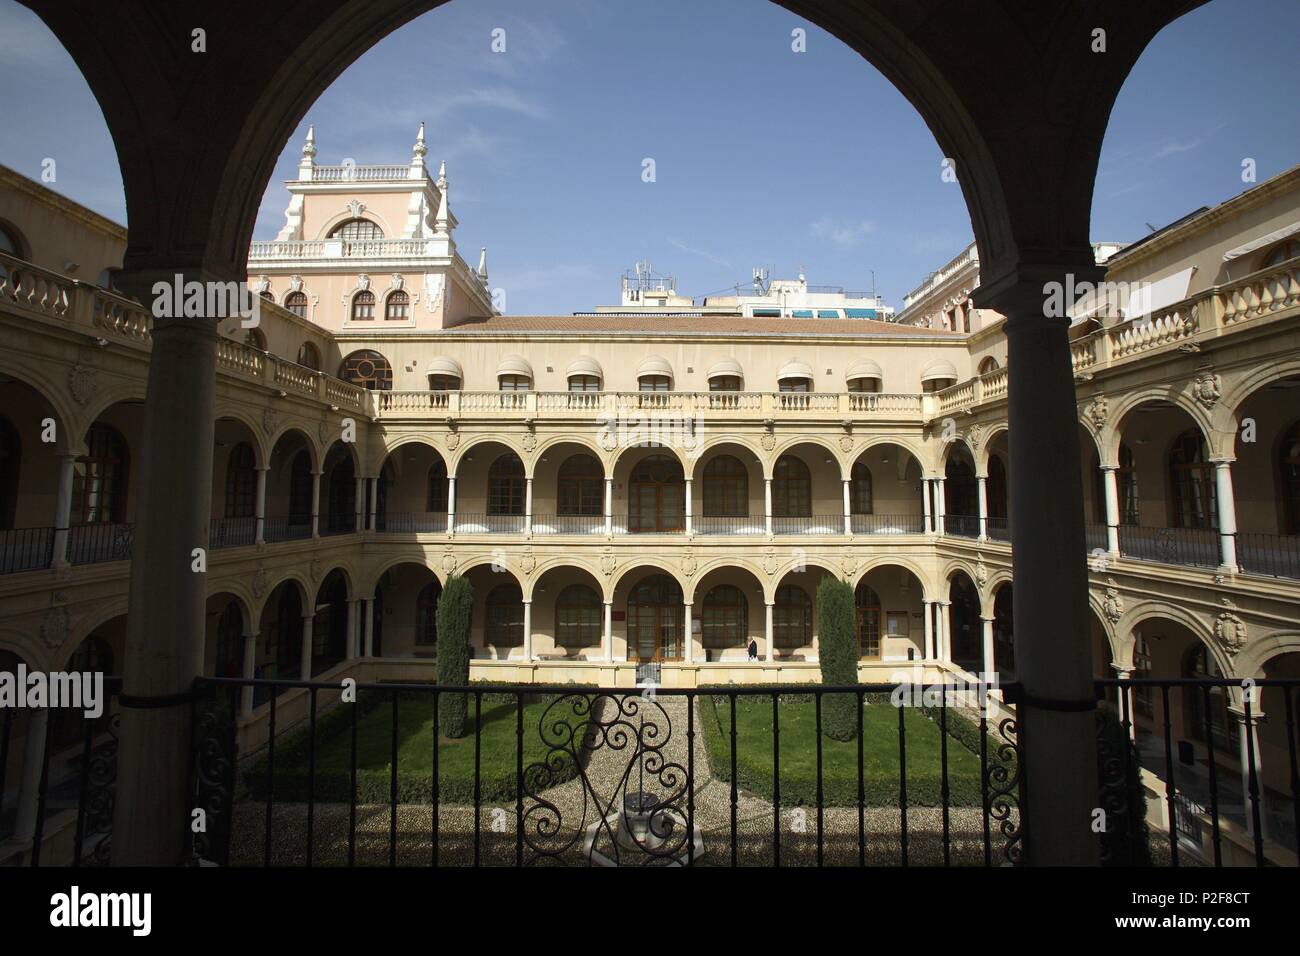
296,302
363,306
357,230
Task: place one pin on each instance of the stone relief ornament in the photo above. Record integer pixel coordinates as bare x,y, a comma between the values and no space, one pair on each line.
295,283
846,442
608,562
451,440
259,582
323,430
608,440
270,420
395,281
768,441
529,442
1207,389
433,287
1113,604
55,627
1096,411
974,434
849,562
770,563
82,383
1230,630
981,571
688,564
449,563
527,561
316,568
356,208
363,283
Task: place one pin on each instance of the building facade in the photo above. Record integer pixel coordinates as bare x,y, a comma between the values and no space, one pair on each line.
626,489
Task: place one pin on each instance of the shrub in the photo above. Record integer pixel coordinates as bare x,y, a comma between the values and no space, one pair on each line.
454,609
838,654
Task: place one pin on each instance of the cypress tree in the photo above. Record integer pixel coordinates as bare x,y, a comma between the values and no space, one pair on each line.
838,656
455,606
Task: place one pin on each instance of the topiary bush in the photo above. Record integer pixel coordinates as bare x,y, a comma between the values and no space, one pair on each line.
838,655
455,607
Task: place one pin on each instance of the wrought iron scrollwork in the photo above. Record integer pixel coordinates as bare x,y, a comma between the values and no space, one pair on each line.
1002,784
632,805
101,790
213,778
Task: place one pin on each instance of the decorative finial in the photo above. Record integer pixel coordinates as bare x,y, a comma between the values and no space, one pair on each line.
442,175
482,263
309,147
420,149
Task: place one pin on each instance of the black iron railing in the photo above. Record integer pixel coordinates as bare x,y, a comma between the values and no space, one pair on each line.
416,522
999,529
1192,547
94,543
729,524
1273,554
568,524
25,549
232,532
887,524
471,523
964,526
808,524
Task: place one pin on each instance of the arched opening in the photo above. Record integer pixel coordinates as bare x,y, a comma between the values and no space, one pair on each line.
340,490
397,307
329,633
367,368
1004,636
280,657
406,605
296,302
289,482
580,491
655,612
725,487
507,486
890,620
1266,481
234,485
728,491
867,614
224,643
792,621
724,621
568,616
657,496
960,494
102,502
503,610
885,491
309,356
965,629
1193,503
791,488
413,491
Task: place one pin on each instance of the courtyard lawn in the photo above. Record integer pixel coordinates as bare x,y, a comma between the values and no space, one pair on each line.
415,727
798,753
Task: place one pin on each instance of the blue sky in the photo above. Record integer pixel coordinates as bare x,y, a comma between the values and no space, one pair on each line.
763,156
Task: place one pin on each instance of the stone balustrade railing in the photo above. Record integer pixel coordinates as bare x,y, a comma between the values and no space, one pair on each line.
276,250
735,406
1216,310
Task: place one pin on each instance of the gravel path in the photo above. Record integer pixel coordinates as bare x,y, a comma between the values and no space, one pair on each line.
576,801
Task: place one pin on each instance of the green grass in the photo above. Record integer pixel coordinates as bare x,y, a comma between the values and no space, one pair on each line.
415,729
798,754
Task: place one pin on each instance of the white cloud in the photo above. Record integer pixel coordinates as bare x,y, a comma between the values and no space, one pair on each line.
703,254
840,232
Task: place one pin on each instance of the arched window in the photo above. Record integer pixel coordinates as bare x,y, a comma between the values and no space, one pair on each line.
363,306
1004,634
726,487
960,497
1141,670
285,639
514,383
657,495
268,295
357,230
725,618
309,356
1191,478
1126,486
581,486
864,384
504,613
579,617
655,383
1289,462
584,383
506,486
988,364
436,494
1284,251
996,490
300,482
296,302
792,617
791,488
99,479
256,339
426,614
10,242
794,385
367,369
230,643
444,383
866,604
343,495
11,453
397,307
965,627
1200,665
860,491
241,481
724,383
654,619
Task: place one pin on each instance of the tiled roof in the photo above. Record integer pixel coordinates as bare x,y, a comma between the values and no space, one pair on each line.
699,325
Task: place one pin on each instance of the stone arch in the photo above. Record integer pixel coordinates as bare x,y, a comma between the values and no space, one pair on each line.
618,456
235,590
54,393
723,562
1203,632
897,561
106,398
790,566
784,447
306,591
85,625
309,438
1167,394
531,461
1121,648
643,566
366,592
368,213
995,432
261,452
556,564
904,442
382,450
947,449
989,592
508,442
1260,650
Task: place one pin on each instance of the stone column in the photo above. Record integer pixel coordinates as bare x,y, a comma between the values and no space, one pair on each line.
315,504
927,652
63,511
250,671
33,762
360,504
260,535
528,506
1124,673
945,631
848,510
528,630
1110,482
767,632
308,622
167,599
374,504
1053,651
608,636
1227,515
368,610
451,504
927,518
990,661
982,482
690,530
609,510
767,505
1252,777
940,506
353,610
688,643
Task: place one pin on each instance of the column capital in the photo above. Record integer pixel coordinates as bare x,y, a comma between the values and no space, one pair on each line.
1223,461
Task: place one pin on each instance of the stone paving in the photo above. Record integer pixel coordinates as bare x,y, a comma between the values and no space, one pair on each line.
604,773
